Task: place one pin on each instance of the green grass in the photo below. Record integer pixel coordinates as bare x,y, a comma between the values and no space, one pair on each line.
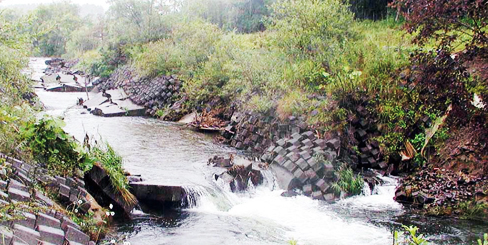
110,161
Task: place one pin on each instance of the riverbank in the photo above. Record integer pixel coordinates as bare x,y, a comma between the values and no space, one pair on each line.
310,157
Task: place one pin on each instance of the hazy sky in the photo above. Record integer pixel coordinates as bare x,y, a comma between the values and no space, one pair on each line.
102,3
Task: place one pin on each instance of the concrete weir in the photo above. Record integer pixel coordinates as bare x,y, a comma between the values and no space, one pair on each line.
113,104
155,195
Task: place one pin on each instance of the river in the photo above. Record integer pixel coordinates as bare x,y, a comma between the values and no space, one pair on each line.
168,153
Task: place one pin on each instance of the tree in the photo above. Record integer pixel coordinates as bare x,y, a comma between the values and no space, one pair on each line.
136,21
446,20
52,27
459,31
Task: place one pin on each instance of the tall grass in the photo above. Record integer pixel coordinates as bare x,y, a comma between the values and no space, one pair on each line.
111,162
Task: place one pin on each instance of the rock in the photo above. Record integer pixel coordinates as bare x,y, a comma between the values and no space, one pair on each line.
317,195
289,193
307,190
329,197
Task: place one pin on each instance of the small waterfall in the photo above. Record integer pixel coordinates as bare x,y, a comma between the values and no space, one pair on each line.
203,197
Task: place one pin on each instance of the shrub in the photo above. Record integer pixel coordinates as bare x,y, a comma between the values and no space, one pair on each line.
348,182
54,148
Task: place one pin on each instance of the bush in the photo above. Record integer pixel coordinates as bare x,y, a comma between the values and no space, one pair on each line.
53,148
348,182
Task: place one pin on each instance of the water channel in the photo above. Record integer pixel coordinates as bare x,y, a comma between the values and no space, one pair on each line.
170,154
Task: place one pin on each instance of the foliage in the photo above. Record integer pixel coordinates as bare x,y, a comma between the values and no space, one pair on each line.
111,162
51,27
472,210
54,148
446,21
411,237
311,28
15,89
485,240
130,21
244,16
348,182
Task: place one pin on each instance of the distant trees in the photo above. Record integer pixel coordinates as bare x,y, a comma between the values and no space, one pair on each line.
370,9
244,16
52,26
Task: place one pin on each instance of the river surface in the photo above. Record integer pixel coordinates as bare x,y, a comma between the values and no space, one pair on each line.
170,154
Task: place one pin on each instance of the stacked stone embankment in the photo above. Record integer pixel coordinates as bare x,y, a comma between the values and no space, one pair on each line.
47,224
154,94
290,145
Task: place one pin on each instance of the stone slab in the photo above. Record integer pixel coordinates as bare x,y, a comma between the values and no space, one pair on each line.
74,235
51,235
18,195
25,235
47,220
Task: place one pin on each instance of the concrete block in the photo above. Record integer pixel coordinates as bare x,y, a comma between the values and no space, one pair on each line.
307,142
296,136
44,199
51,235
317,195
60,180
47,220
25,235
18,195
311,175
279,160
28,220
17,185
65,222
290,166
64,192
320,143
3,185
294,157
23,177
334,144
312,162
308,135
6,235
302,164
294,142
329,197
305,155
73,195
322,185
3,196
318,167
300,175
75,235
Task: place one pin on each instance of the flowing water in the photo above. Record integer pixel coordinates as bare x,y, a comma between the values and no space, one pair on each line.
168,153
